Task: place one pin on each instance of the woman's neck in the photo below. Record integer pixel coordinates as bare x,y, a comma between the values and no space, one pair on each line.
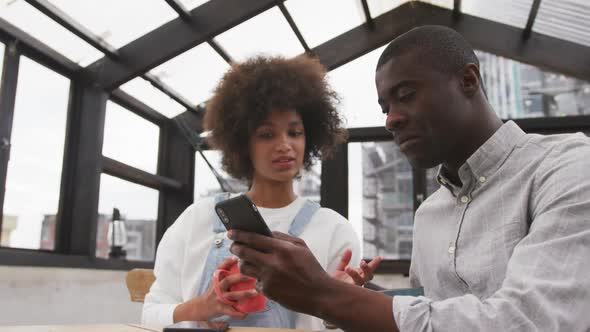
272,194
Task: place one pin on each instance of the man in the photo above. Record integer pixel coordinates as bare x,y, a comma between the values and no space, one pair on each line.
503,245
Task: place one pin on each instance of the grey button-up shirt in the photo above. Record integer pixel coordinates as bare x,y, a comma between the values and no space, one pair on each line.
510,249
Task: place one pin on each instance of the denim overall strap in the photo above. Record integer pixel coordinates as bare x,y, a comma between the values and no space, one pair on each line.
273,315
217,253
303,218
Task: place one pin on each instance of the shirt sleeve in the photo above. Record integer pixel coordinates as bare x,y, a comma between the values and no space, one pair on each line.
343,238
165,293
547,284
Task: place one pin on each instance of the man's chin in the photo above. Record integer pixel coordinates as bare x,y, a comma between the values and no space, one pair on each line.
422,162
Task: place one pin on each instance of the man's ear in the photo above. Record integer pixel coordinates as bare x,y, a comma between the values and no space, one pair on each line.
470,82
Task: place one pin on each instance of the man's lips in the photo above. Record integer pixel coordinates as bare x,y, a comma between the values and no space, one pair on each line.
406,139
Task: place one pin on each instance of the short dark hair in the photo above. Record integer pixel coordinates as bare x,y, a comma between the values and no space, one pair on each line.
249,91
444,48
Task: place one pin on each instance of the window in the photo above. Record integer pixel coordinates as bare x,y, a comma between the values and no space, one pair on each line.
517,90
310,182
36,156
383,210
206,184
308,185
130,139
138,206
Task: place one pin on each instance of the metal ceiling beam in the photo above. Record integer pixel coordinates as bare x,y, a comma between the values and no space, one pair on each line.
220,51
368,17
186,16
531,21
169,91
138,107
293,26
173,38
37,50
489,36
73,26
179,9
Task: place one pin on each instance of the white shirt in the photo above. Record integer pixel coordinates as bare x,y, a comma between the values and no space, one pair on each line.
182,253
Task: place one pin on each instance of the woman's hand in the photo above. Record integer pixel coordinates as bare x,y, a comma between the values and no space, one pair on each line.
208,306
358,276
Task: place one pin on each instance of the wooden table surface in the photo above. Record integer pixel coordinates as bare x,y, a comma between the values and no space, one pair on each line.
116,328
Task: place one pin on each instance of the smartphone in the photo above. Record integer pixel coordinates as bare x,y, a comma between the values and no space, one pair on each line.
241,213
197,327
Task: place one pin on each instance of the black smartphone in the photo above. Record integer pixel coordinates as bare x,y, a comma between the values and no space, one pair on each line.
197,327
241,213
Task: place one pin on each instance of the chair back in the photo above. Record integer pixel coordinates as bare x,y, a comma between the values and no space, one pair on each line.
139,282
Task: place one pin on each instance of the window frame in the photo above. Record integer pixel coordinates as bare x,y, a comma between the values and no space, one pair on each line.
75,242
546,125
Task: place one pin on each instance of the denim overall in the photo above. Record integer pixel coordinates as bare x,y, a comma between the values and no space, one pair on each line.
274,315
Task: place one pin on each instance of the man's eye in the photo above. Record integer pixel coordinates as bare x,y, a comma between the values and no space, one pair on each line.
407,96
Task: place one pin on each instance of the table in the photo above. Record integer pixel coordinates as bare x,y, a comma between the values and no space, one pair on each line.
116,328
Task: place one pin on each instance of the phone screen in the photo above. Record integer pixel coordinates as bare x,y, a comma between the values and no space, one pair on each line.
197,327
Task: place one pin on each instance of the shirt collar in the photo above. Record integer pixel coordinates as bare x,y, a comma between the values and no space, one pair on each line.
482,164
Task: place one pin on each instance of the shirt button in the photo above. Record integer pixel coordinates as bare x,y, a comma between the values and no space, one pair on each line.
218,242
451,250
464,199
482,179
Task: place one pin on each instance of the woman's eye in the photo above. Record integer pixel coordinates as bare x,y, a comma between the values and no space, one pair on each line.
296,133
265,135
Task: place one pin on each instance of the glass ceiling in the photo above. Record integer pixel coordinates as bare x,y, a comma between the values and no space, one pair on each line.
358,104
510,12
117,22
268,33
30,20
379,7
310,18
191,4
148,94
565,19
195,73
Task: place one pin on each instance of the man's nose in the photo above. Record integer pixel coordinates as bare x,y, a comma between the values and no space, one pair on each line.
395,121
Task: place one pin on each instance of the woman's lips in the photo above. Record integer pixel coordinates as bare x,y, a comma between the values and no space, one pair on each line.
284,162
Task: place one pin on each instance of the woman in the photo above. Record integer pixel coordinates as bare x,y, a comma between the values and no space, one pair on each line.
270,118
